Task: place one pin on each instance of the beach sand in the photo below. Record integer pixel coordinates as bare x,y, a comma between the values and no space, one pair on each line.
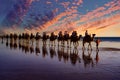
64,63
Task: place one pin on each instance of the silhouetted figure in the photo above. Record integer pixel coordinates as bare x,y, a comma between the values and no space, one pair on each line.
11,42
60,37
53,37
44,38
37,37
88,39
23,36
75,38
27,36
7,37
20,36
66,38
97,43
15,40
86,33
15,37
11,36
7,42
32,38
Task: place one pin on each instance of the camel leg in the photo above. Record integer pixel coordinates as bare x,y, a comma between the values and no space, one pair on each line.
58,43
83,46
63,43
54,43
49,43
77,43
68,43
74,44
90,45
97,49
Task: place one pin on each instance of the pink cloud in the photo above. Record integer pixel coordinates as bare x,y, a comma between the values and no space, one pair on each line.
102,11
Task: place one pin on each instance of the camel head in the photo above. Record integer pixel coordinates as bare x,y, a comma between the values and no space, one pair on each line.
80,36
93,35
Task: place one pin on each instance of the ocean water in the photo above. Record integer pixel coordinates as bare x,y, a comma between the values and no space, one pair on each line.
110,42
111,39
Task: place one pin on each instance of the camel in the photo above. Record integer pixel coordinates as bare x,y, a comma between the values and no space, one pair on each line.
7,36
15,36
37,37
32,38
20,37
66,37
75,38
88,39
44,37
60,37
53,37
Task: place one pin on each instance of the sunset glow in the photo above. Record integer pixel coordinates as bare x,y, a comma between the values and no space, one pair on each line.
101,17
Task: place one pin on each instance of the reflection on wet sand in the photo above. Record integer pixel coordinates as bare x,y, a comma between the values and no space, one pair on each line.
52,51
37,50
44,51
87,59
74,57
63,53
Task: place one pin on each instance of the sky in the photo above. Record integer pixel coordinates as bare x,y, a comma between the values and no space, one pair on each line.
100,17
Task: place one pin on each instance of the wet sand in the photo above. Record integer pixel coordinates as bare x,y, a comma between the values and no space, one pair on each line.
59,63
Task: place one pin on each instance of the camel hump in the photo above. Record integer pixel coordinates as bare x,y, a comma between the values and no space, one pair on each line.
87,36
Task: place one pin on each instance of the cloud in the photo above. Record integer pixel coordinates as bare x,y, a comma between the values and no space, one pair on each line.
48,2
65,4
16,15
98,18
67,18
102,11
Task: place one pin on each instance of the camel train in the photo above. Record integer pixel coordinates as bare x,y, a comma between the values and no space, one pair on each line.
72,39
